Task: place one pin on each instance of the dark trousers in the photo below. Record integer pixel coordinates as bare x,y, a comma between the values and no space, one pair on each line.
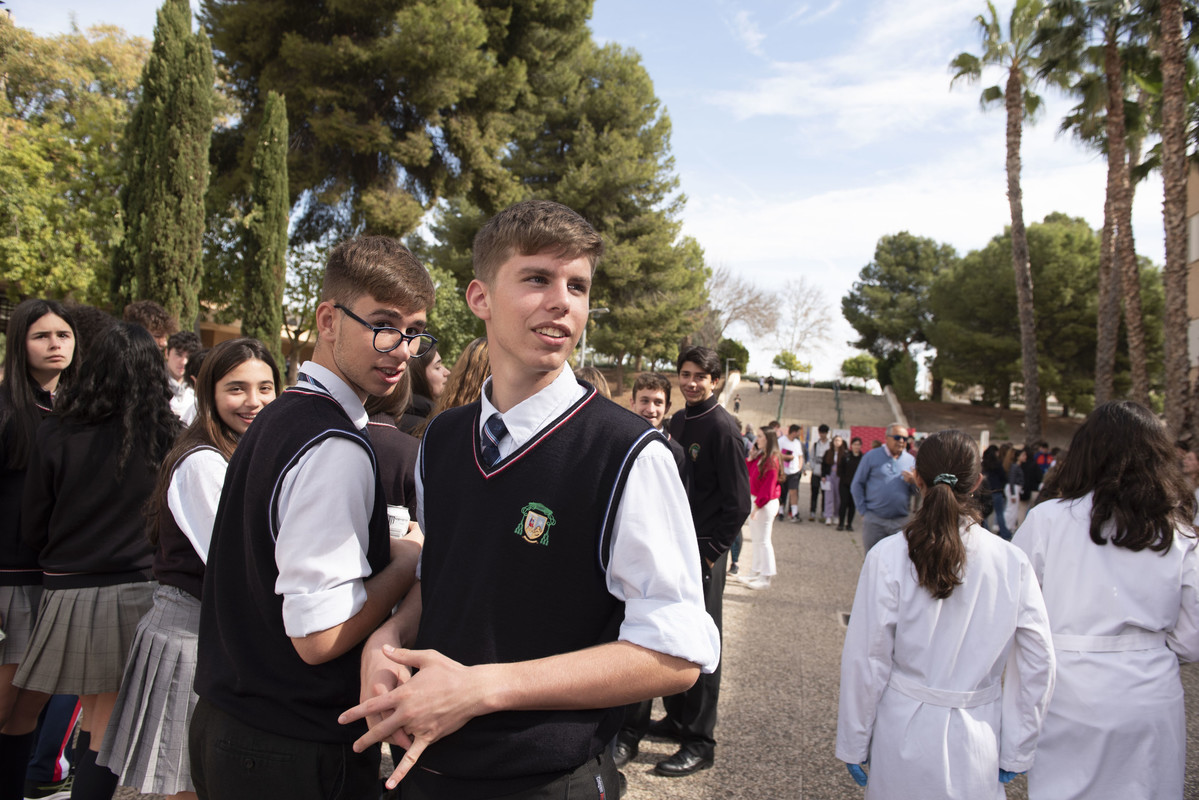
597,779
230,759
694,710
845,517
817,495
51,758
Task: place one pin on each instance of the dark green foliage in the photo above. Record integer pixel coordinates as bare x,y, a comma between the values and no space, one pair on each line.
265,241
977,331
166,169
733,354
888,305
392,104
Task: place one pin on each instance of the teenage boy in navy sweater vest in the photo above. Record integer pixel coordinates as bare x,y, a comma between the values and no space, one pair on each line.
301,567
572,586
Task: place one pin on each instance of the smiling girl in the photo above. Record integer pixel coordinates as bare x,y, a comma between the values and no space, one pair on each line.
146,741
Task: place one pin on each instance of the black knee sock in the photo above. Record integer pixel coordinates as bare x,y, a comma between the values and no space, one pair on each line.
14,758
81,745
92,781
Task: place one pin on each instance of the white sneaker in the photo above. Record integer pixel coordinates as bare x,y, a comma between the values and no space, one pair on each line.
761,582
748,577
828,520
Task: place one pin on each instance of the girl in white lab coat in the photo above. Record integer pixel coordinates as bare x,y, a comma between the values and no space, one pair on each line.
947,667
1112,545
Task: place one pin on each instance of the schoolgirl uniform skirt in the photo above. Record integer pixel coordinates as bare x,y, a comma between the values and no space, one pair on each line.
82,637
146,741
18,610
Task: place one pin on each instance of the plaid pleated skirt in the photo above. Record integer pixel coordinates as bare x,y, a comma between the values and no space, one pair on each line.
82,638
18,611
146,741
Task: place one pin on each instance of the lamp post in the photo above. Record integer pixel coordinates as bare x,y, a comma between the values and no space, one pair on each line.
583,344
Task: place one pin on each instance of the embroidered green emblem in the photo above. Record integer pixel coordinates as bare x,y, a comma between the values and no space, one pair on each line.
693,451
535,525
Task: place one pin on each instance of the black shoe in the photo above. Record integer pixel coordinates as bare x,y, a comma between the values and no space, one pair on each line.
664,729
849,528
624,752
733,569
840,527
687,761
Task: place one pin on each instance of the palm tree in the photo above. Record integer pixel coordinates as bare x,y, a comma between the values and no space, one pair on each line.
1017,54
1109,34
1174,178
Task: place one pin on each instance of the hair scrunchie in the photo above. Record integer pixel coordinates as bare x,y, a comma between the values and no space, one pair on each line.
946,477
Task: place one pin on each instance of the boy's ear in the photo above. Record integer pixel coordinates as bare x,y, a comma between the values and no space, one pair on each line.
325,316
478,299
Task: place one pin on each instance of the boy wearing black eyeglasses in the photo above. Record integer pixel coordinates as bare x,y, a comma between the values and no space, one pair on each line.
302,567
883,487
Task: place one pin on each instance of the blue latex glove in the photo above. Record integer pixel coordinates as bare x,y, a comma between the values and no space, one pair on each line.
1006,777
857,773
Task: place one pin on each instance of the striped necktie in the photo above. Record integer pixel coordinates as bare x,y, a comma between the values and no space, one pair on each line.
494,432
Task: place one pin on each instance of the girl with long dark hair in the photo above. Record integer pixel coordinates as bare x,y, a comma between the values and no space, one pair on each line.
764,468
38,361
93,466
427,380
948,662
146,741
1112,545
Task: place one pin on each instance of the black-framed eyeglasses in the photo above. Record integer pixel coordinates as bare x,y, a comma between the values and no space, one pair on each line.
900,438
387,339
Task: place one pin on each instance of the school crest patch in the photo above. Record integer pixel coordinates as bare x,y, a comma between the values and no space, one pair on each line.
535,524
693,451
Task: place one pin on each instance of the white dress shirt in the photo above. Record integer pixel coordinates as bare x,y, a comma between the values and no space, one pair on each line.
324,508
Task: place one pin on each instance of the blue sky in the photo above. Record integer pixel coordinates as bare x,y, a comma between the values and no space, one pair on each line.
803,130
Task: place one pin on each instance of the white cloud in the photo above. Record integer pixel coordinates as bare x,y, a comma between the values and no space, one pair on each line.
747,32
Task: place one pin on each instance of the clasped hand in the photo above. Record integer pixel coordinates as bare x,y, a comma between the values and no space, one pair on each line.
413,710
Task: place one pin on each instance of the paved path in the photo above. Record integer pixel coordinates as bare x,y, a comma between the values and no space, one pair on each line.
778,709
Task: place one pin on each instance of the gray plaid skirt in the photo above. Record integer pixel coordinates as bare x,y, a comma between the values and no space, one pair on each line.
146,741
18,611
82,638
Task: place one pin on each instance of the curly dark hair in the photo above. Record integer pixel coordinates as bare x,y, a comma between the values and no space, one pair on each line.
125,376
1123,457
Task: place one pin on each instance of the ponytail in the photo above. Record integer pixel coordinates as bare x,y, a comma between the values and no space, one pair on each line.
947,463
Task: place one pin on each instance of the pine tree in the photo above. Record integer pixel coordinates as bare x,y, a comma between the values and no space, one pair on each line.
166,166
265,240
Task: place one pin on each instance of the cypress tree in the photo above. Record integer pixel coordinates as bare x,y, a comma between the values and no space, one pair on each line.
166,164
265,241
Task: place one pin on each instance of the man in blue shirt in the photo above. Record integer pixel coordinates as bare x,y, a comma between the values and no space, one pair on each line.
883,486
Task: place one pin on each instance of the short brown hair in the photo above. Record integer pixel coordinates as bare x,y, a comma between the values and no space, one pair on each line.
530,228
652,382
152,317
381,267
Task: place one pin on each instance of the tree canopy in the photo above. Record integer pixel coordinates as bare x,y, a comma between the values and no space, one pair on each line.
65,103
888,304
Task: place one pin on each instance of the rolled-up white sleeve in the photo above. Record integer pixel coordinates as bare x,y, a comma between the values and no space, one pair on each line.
325,503
655,566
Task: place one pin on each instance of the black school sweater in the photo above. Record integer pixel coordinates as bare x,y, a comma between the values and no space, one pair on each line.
714,474
80,512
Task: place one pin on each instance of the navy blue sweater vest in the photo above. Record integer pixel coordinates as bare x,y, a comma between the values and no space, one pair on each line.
518,573
176,562
248,666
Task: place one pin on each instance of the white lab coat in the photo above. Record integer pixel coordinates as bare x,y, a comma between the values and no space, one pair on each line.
921,690
1116,727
